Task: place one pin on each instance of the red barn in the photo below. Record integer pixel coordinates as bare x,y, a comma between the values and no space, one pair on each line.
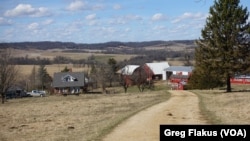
240,79
178,76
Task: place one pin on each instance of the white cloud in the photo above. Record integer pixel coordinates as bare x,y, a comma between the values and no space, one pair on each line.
77,5
158,16
127,29
133,17
97,7
159,27
48,22
107,30
117,21
40,12
125,19
117,7
33,26
4,21
191,16
91,17
27,10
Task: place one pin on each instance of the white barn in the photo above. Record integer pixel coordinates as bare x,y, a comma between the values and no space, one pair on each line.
128,69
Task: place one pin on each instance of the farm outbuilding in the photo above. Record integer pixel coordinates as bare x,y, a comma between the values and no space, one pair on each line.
240,79
127,70
178,75
69,82
157,69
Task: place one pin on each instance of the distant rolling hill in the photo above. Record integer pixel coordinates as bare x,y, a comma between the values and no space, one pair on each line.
45,45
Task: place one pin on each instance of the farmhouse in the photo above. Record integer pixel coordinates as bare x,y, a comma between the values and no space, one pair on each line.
178,75
69,82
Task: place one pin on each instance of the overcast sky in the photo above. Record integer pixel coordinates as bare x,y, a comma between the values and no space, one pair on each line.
95,21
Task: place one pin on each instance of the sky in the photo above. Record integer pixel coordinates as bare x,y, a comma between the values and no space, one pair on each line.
98,21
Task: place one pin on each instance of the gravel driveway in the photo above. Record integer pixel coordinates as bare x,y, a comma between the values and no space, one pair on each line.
181,108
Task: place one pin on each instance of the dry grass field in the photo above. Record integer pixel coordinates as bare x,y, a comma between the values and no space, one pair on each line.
51,53
225,108
79,118
91,116
173,47
26,70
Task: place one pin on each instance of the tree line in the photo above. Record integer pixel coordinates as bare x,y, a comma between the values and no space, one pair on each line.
44,45
142,56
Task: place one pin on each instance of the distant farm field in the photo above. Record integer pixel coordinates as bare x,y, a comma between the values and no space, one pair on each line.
50,54
79,118
26,70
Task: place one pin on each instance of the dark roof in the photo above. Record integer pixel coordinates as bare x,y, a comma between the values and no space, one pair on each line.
58,80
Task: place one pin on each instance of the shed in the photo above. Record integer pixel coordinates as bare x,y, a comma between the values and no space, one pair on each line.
240,79
178,75
184,70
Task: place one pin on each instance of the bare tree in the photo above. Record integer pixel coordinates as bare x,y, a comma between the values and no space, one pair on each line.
8,73
140,77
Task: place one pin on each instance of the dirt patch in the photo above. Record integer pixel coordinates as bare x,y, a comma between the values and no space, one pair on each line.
181,108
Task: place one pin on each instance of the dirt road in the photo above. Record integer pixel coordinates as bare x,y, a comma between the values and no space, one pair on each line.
181,108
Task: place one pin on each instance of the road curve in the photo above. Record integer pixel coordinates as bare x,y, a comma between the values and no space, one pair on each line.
181,108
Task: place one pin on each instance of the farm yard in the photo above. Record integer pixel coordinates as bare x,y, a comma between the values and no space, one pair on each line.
225,108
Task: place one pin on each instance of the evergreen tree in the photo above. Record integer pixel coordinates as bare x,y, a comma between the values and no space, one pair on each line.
223,51
65,69
32,79
43,76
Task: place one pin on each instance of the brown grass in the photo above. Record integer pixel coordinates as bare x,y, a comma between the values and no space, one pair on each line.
58,118
51,69
225,108
51,53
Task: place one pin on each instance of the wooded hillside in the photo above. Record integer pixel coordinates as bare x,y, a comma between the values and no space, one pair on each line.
70,45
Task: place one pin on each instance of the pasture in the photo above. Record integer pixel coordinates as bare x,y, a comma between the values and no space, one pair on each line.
79,118
26,70
91,116
226,108
52,53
